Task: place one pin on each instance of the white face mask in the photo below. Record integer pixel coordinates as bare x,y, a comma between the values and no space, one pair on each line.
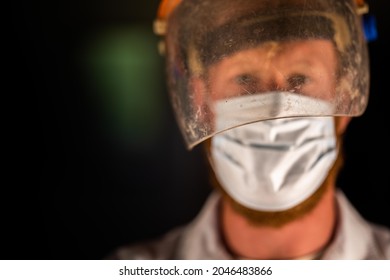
274,165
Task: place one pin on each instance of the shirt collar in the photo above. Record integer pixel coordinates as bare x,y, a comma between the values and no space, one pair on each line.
202,238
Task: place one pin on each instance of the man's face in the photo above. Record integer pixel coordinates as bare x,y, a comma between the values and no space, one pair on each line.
302,67
306,68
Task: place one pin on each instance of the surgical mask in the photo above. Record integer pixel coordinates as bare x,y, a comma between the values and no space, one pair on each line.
276,164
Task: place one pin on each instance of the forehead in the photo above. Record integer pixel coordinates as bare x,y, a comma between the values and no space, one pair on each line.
204,40
290,51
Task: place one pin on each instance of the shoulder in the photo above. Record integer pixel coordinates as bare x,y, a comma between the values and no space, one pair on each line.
355,237
161,248
381,236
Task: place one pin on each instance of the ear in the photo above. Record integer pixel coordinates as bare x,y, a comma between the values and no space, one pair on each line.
341,123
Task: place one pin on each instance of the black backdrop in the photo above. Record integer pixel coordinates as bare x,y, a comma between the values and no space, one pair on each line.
69,192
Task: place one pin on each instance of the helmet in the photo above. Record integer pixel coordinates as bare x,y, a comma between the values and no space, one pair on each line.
235,62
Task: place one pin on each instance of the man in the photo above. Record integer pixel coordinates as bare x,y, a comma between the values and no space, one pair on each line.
268,87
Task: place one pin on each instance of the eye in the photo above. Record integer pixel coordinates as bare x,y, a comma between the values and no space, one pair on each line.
295,82
245,79
247,83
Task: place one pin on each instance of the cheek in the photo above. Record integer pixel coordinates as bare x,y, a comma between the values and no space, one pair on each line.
325,86
220,79
328,79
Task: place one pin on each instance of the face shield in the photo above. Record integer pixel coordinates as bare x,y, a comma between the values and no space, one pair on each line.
236,62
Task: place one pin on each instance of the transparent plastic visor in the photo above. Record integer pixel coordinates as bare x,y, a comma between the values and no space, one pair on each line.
231,64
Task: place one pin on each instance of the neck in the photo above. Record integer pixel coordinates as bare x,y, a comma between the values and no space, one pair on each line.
301,237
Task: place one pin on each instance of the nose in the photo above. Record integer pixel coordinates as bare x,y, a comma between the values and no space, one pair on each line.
274,80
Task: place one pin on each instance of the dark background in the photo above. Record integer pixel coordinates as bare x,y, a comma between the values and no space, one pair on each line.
81,180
